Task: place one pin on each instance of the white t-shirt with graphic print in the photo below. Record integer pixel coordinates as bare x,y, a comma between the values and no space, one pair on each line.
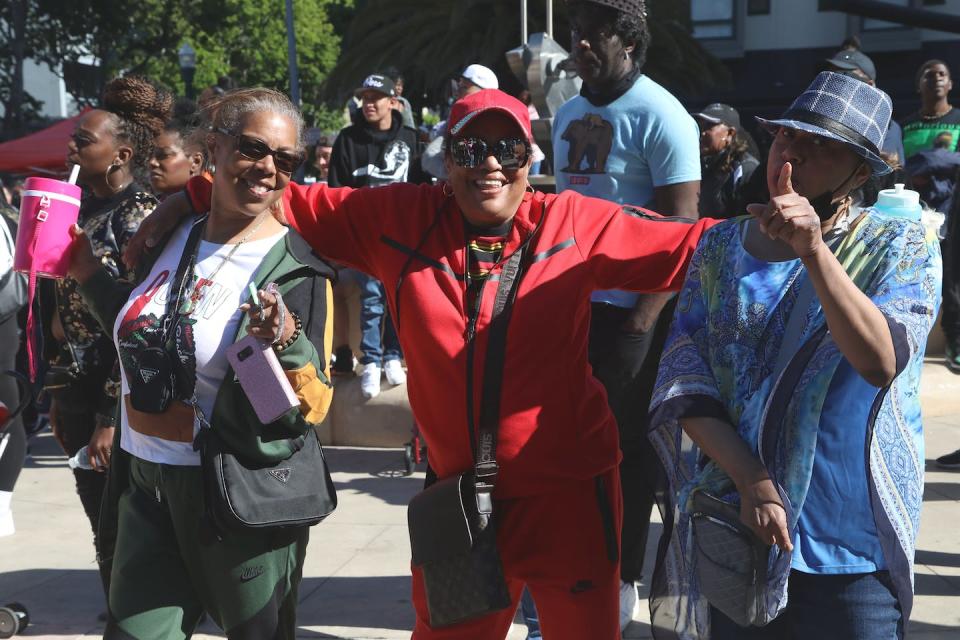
216,317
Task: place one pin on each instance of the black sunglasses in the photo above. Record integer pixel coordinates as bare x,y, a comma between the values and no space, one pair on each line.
469,153
253,149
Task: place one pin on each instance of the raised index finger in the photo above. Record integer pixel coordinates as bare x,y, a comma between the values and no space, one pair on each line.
784,182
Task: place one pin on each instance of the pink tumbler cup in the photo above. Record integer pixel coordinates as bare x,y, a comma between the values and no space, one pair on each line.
48,208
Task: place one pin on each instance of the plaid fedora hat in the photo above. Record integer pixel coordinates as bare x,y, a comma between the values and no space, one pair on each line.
842,108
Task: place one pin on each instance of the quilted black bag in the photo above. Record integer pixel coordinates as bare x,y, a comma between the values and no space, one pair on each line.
732,562
452,525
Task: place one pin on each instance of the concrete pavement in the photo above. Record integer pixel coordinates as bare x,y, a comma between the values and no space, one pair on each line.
356,578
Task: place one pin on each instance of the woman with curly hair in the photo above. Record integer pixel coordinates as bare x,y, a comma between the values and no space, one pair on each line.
110,145
727,160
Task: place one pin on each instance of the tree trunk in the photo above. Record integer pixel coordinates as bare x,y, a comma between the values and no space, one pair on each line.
13,110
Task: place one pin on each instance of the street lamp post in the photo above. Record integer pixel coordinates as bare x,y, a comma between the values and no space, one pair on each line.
188,67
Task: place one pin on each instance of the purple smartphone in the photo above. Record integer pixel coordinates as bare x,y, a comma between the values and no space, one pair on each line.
262,378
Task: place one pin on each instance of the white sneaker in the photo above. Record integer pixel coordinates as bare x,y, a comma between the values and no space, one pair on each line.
394,371
628,604
370,380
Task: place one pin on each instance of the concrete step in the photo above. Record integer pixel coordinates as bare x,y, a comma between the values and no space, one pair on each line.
353,421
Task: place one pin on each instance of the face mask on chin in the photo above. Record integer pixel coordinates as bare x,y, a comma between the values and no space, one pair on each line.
824,205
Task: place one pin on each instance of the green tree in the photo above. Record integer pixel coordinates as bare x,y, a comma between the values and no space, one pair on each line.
17,32
244,39
432,40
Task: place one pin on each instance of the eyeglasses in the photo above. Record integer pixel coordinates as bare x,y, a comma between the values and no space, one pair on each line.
253,149
469,153
590,28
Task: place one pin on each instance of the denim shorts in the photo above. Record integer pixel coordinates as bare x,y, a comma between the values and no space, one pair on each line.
859,606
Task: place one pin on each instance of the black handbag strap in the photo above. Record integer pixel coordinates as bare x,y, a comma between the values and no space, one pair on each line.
184,271
485,450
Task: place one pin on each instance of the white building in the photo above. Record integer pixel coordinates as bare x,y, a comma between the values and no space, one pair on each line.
732,28
775,47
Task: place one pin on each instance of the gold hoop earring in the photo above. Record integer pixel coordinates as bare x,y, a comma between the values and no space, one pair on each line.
445,187
109,172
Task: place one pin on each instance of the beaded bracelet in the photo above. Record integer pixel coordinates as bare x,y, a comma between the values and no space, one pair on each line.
297,329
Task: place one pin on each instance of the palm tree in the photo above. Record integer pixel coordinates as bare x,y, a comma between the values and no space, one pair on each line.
431,41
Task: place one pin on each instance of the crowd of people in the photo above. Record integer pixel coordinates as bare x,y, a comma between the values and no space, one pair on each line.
706,288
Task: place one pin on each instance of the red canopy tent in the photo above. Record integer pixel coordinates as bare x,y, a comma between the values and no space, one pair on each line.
43,152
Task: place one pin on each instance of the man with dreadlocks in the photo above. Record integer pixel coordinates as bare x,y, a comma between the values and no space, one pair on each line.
626,139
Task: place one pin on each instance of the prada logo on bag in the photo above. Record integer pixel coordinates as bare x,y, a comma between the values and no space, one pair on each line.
283,475
148,374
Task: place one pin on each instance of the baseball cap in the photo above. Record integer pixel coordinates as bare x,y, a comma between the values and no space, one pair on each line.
377,82
466,109
481,76
848,60
717,113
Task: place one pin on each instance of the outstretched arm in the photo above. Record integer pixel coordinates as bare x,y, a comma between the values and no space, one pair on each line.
635,249
679,200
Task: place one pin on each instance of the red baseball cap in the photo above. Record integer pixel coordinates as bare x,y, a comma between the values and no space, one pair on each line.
466,109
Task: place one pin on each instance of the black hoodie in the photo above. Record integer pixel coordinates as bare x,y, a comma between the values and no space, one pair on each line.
365,157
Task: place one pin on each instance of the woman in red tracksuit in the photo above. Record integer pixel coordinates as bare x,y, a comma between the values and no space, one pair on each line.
557,448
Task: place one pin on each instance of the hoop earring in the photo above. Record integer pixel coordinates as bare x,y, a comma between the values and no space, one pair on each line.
113,167
445,187
530,188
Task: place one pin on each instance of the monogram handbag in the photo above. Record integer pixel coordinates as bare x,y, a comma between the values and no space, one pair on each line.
456,551
452,523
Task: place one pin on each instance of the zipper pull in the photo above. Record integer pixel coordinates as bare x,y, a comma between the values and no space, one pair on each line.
157,490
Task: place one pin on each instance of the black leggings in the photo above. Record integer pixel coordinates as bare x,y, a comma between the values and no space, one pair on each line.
77,417
14,445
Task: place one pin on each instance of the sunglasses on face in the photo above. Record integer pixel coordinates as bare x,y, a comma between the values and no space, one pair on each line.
469,153
80,140
254,149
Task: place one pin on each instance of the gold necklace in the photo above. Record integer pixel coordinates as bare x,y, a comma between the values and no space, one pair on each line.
197,294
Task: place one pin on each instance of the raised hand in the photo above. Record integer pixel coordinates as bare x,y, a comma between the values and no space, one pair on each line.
789,217
265,319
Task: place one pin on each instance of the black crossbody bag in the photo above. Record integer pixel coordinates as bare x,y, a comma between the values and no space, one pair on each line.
452,524
239,495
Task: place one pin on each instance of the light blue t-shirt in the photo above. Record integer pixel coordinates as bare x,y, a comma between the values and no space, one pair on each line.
836,531
621,151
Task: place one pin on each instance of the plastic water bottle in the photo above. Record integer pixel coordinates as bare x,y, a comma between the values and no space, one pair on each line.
899,203
80,460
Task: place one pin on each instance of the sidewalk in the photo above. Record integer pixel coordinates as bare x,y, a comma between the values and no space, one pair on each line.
356,578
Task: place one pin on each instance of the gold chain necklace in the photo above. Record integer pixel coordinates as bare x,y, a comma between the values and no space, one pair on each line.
196,295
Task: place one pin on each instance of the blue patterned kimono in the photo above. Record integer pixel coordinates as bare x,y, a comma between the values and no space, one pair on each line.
719,362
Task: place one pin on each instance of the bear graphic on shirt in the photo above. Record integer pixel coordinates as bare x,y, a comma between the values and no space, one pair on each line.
590,139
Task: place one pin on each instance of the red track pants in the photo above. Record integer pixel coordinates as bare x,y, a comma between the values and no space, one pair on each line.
564,546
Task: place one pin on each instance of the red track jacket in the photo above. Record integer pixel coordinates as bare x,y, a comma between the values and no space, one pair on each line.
555,424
